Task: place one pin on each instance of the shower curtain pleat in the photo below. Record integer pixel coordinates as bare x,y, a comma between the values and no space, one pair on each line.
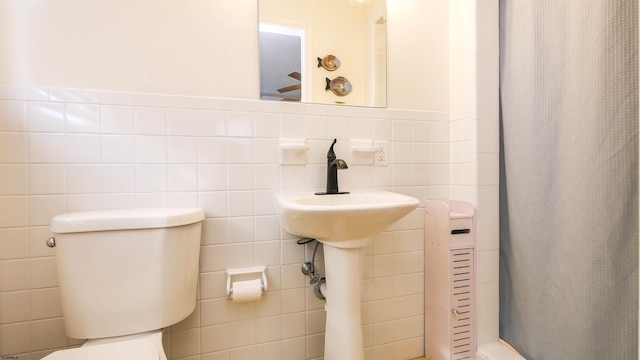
569,178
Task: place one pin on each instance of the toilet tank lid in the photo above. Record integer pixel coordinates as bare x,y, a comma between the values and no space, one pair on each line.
125,219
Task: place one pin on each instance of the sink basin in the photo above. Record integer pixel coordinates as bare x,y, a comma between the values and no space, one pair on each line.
342,220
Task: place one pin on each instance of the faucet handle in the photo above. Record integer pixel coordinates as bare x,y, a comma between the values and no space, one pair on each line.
331,155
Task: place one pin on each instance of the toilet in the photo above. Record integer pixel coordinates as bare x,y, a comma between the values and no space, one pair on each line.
124,275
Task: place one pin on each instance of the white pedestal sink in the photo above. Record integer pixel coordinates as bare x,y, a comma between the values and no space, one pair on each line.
345,224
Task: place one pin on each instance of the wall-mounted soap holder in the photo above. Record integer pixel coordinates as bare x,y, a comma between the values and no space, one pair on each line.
363,151
293,151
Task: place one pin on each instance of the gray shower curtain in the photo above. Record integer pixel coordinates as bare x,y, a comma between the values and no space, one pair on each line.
569,178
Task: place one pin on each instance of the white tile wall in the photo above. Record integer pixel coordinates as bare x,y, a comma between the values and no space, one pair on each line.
68,150
487,147
13,116
13,148
45,116
118,119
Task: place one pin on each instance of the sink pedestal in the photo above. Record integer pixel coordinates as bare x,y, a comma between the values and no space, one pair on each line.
343,332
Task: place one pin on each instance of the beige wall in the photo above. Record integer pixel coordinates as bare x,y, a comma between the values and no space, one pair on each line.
199,48
196,48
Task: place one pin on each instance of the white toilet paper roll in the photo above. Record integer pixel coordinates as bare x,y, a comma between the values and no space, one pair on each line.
249,290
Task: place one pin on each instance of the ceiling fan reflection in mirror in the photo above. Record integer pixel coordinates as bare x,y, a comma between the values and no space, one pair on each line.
295,75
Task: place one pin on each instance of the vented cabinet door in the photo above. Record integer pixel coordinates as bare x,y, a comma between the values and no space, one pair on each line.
462,285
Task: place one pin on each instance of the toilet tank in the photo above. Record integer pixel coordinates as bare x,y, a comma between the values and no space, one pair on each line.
126,271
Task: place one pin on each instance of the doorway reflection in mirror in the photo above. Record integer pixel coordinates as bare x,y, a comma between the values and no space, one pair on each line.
281,72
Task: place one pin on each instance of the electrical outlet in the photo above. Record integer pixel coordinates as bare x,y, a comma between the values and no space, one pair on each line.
381,156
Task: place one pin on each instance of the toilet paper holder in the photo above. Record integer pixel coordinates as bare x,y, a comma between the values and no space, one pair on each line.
244,273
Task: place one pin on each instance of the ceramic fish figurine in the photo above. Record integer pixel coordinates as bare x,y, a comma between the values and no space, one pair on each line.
339,86
329,62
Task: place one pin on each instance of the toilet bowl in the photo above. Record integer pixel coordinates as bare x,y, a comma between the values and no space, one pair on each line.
124,275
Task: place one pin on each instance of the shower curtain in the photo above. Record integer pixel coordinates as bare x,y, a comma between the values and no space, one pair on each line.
569,178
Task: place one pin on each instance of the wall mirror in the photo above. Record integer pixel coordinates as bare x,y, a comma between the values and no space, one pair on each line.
323,51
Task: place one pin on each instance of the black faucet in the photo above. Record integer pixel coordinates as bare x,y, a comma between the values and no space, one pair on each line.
333,165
